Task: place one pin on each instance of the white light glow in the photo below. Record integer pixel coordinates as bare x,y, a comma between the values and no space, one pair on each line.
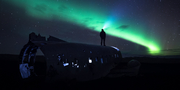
115,48
75,65
90,60
66,64
106,25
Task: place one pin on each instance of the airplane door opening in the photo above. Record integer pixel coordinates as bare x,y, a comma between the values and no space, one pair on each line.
30,65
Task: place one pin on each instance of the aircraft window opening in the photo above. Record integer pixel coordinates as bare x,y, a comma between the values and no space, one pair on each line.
77,66
59,58
65,63
101,60
32,54
96,59
90,60
75,63
72,64
85,65
115,55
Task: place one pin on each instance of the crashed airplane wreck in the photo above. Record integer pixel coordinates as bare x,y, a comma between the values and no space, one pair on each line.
67,61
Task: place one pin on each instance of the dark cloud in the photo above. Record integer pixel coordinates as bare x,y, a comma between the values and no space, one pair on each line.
62,8
100,22
86,20
92,28
41,8
123,27
171,51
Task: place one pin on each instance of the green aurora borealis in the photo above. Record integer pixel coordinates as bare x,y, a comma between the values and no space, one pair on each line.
91,16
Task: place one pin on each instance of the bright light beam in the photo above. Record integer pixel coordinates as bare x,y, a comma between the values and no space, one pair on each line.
106,25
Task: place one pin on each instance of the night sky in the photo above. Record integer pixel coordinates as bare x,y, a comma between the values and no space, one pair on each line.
143,27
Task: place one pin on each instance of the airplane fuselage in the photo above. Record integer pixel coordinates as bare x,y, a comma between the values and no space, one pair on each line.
66,61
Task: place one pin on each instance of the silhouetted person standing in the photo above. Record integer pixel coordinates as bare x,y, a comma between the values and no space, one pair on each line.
103,37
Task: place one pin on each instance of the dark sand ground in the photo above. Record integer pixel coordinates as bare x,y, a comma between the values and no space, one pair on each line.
154,73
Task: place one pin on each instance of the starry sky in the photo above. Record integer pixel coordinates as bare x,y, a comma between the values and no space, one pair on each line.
143,27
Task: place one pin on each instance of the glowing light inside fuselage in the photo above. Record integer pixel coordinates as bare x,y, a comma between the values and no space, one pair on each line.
65,64
90,60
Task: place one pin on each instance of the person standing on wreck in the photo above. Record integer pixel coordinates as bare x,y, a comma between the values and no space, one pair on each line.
103,37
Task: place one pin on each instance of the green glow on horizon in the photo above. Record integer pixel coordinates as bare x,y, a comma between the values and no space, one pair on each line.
91,17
